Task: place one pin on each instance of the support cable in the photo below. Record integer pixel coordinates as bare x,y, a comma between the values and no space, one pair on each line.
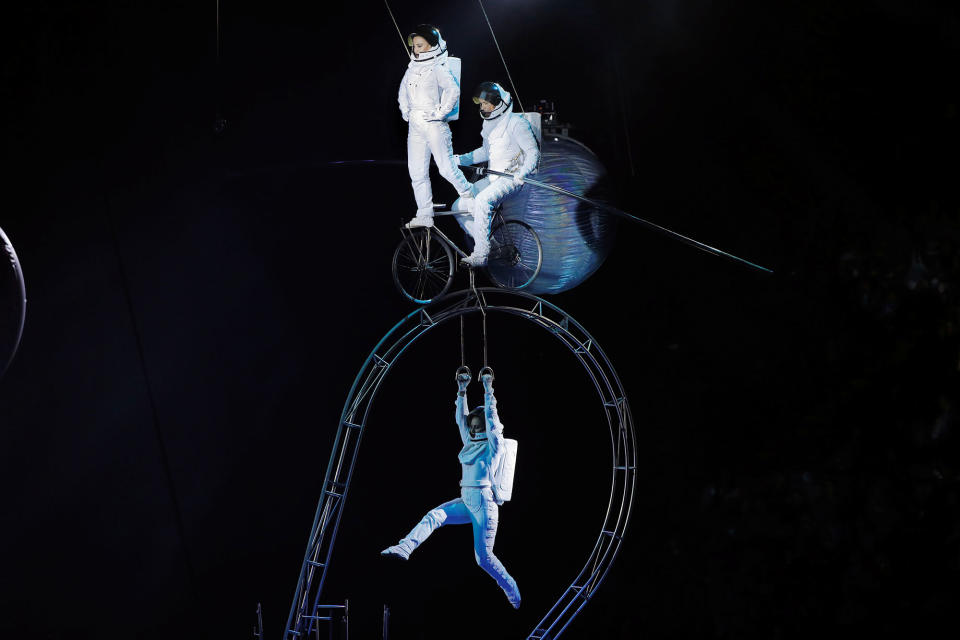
623,214
463,351
151,399
403,41
483,314
219,122
484,338
516,94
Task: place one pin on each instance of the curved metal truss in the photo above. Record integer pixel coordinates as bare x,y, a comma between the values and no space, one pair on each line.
306,610
20,305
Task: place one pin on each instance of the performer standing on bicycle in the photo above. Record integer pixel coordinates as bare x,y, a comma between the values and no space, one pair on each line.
429,96
483,446
510,146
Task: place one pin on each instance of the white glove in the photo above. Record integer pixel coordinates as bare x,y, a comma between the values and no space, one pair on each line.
517,180
456,159
487,380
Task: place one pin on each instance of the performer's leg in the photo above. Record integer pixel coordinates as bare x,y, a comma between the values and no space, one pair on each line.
485,200
441,145
466,205
484,516
452,512
418,163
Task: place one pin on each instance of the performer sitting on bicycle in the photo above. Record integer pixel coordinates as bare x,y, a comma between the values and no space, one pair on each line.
510,146
483,445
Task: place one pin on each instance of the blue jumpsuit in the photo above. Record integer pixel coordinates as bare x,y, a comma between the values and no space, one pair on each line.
476,505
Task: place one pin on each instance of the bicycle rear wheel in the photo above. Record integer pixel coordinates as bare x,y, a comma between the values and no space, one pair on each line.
516,255
422,266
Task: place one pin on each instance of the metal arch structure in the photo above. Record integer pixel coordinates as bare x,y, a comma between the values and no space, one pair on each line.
306,610
7,253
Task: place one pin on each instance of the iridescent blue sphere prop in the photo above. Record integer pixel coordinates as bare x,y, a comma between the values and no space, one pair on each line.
576,237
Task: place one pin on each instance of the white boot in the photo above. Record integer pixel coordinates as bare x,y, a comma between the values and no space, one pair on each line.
420,221
396,551
481,251
481,245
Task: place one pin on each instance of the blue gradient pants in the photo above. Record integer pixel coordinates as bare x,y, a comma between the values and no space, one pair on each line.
476,507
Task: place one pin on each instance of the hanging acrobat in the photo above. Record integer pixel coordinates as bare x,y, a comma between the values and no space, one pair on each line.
487,460
509,145
429,97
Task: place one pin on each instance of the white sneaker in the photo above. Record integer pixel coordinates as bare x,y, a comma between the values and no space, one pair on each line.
396,551
420,221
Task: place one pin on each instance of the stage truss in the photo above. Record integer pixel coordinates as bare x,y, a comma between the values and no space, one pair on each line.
12,284
306,610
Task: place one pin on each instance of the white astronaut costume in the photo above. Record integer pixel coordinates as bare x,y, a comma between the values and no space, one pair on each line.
429,95
510,146
477,504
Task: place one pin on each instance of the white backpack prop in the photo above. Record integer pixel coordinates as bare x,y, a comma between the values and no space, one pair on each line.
503,471
535,120
454,65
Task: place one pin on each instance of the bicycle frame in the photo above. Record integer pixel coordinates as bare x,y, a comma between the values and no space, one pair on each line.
495,220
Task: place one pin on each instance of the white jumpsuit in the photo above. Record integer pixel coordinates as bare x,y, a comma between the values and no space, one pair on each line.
476,505
509,146
428,96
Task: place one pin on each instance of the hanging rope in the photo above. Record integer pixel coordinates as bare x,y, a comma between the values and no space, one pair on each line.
463,351
516,94
403,41
485,366
483,314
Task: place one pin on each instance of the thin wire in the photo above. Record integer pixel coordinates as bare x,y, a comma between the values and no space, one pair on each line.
484,338
403,41
218,33
483,312
463,350
151,398
516,94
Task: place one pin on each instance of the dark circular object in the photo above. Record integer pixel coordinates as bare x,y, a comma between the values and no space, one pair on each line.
13,303
422,266
516,255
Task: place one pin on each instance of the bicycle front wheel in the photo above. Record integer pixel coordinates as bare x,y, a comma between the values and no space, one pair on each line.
516,255
422,266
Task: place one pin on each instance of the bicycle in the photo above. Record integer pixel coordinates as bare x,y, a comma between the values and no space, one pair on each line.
423,264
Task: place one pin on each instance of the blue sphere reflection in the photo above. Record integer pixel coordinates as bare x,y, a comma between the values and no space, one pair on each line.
576,237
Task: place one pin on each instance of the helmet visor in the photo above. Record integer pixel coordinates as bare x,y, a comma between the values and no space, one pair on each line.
488,93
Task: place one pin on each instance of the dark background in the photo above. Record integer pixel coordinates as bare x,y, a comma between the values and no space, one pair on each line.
200,303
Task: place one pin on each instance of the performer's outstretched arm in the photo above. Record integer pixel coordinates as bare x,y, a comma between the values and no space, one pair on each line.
478,155
463,380
494,426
